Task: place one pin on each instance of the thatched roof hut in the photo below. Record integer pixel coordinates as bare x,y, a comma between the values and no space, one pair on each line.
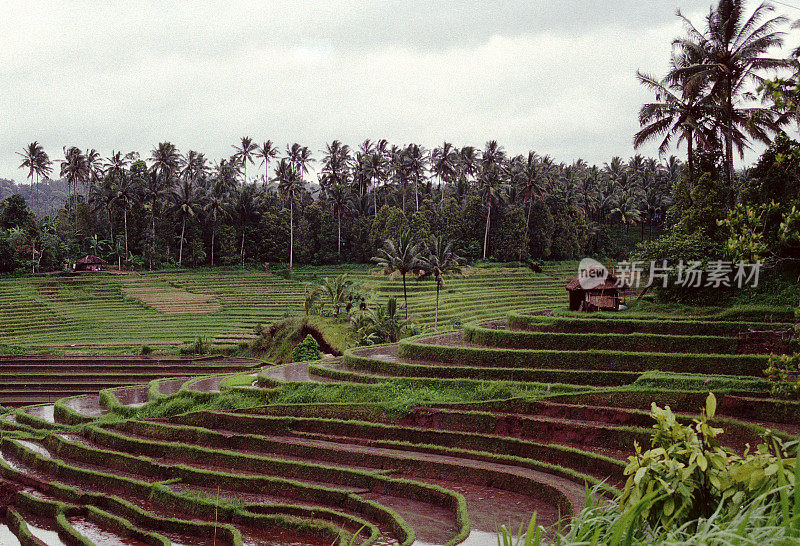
604,296
90,263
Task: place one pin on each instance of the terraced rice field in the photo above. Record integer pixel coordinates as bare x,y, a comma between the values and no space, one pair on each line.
438,474
168,308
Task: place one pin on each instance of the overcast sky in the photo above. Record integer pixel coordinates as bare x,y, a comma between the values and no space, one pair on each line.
554,77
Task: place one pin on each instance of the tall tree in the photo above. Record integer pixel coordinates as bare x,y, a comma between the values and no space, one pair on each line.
289,185
438,260
492,185
35,159
73,167
732,50
216,205
245,153
400,255
267,152
165,161
186,199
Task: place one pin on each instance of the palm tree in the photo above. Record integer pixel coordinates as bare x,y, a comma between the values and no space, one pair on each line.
628,209
679,110
382,324
493,187
73,168
266,152
731,53
186,200
35,159
336,165
216,204
443,164
125,191
337,289
400,255
94,168
339,197
288,186
311,295
245,153
245,209
165,163
439,260
415,165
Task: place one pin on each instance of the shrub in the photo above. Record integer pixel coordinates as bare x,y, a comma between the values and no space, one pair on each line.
688,475
308,349
784,373
145,350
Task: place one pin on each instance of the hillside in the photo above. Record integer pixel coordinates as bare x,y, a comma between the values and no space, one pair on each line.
106,312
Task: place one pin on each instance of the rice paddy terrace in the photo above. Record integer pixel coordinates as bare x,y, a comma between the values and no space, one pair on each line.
103,312
445,473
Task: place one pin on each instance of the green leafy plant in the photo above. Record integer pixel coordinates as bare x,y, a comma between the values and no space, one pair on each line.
308,349
688,475
784,373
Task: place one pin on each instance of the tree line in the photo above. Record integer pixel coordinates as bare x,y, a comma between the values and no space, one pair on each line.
261,204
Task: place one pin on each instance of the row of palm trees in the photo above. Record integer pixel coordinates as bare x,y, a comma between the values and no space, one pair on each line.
354,182
707,99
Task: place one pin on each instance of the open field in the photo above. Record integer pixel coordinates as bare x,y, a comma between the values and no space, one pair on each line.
107,313
436,440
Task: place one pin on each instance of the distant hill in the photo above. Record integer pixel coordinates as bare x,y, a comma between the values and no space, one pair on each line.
52,194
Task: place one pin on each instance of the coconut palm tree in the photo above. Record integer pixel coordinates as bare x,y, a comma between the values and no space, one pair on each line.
94,168
732,51
125,191
244,153
289,185
340,200
492,185
267,152
628,209
216,206
73,167
244,207
336,165
165,161
186,198
35,159
400,255
443,164
438,260
679,110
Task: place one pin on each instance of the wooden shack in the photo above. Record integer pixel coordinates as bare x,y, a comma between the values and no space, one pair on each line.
90,263
603,297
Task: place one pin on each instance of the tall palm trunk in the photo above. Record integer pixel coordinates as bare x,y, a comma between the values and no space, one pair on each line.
729,138
416,192
405,295
486,234
213,236
125,222
241,249
183,232
690,151
152,234
436,313
374,198
291,231
528,219
339,241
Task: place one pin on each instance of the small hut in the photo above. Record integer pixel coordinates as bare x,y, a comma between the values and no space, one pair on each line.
90,263
604,296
